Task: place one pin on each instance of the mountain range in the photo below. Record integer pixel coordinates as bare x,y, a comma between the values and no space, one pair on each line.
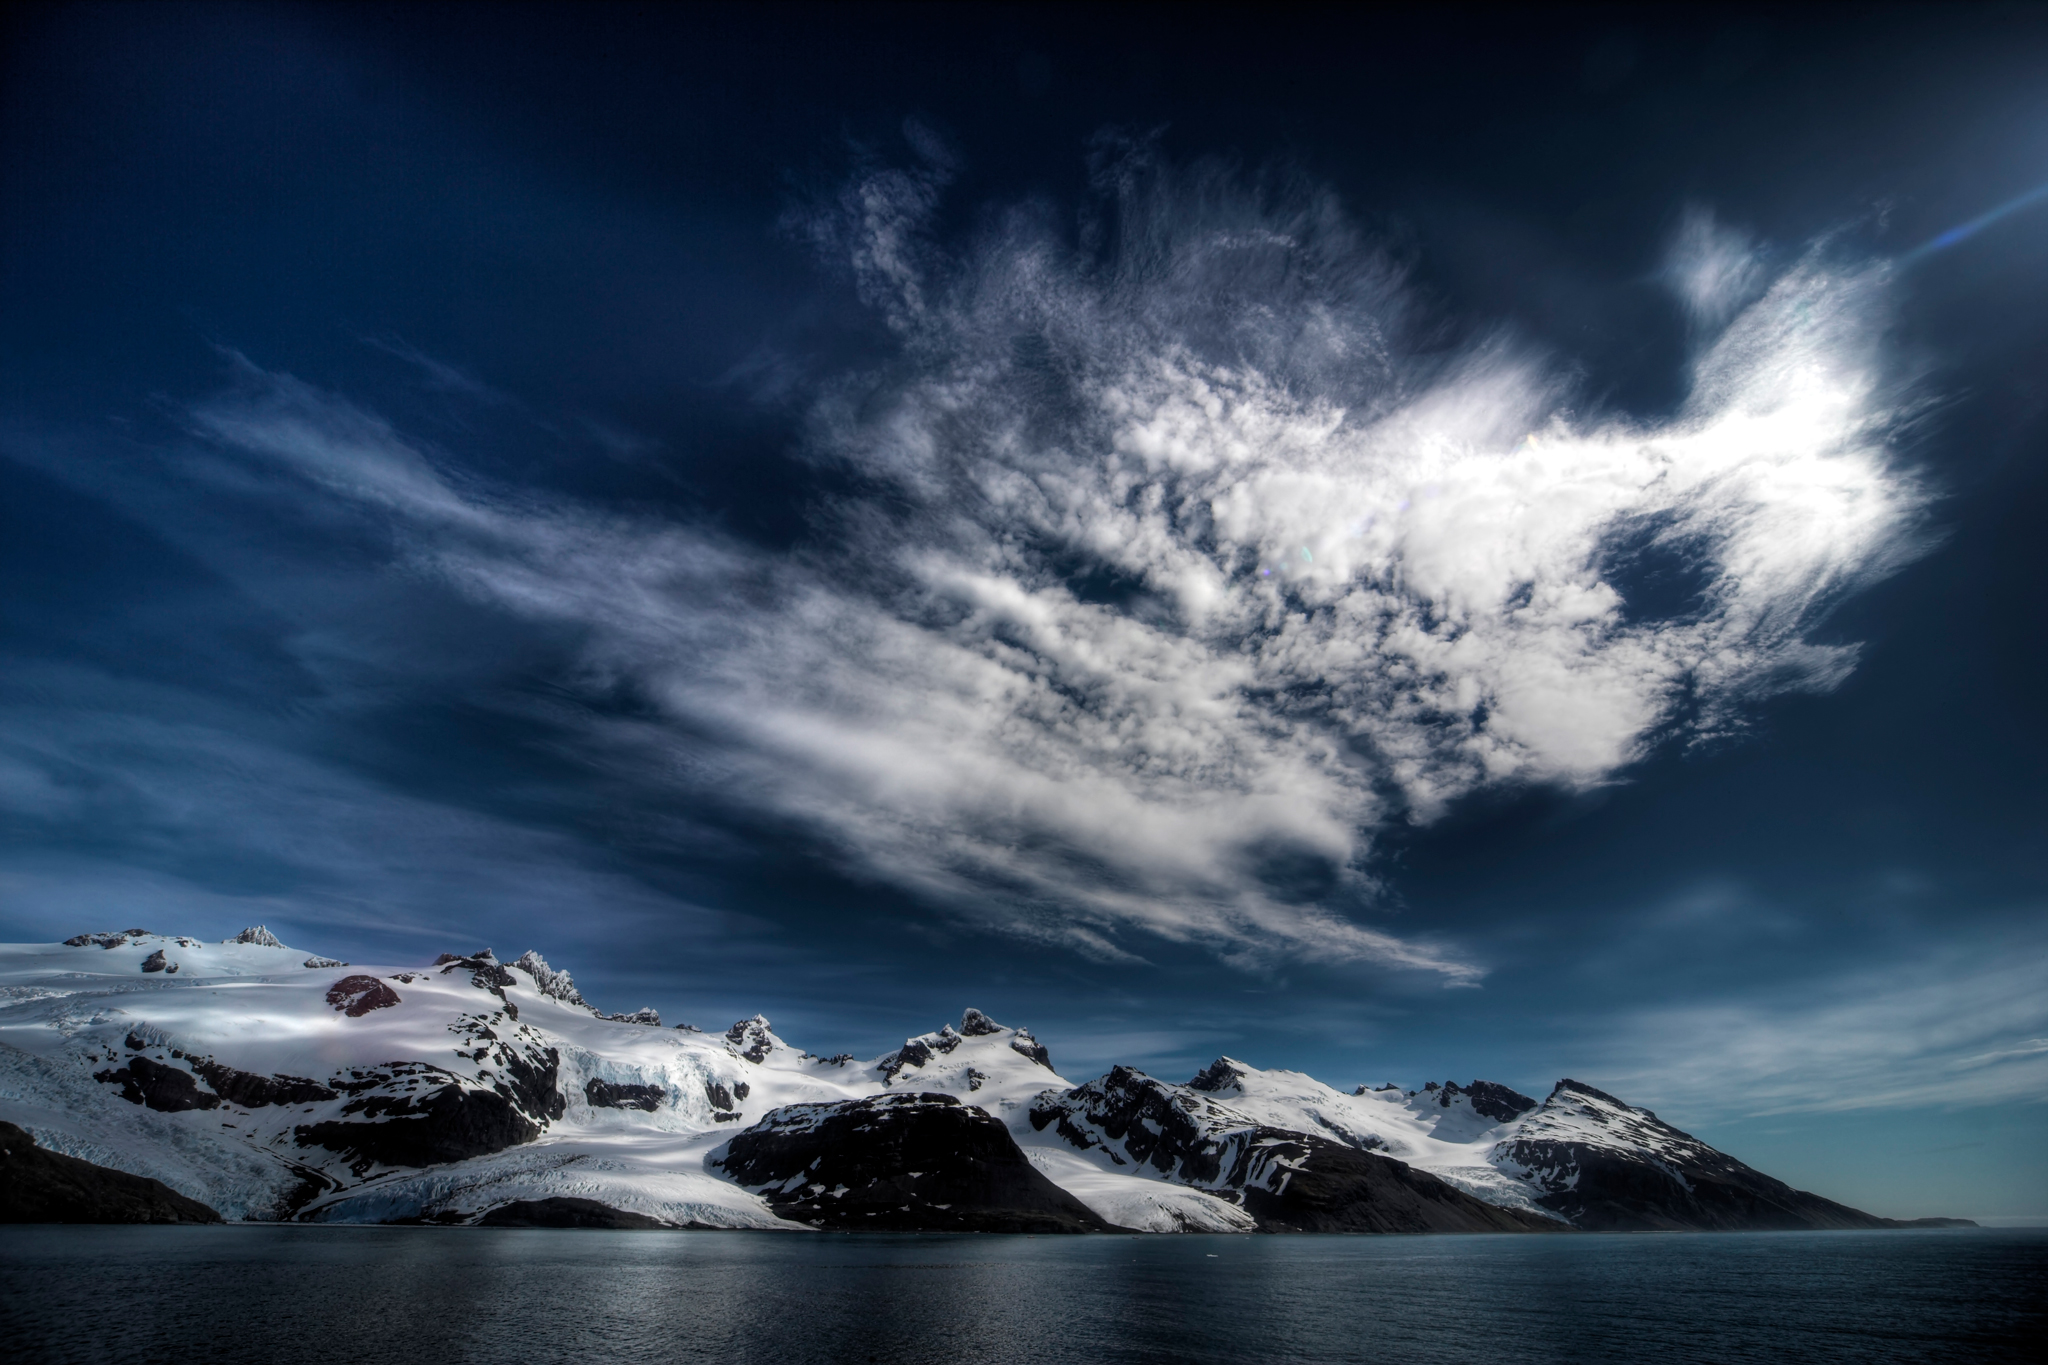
157,1078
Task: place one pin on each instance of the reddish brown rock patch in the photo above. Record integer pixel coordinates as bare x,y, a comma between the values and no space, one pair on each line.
356,996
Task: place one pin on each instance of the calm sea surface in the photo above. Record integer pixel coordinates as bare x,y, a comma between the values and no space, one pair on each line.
365,1295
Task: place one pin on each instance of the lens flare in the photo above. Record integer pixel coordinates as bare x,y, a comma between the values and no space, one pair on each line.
1965,231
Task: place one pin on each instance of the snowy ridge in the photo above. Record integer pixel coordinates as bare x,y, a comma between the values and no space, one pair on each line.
272,1084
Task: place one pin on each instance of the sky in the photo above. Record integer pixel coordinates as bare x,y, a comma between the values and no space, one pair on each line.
1481,544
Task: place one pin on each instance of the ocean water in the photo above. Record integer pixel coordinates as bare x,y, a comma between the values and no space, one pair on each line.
366,1295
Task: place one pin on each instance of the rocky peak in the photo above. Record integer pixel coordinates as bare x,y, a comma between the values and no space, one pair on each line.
1488,1099
1497,1101
1221,1074
548,981
1570,1087
919,1050
751,1038
1139,1121
257,936
975,1024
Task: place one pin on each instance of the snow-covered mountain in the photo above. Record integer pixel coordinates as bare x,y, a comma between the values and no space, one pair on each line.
267,1083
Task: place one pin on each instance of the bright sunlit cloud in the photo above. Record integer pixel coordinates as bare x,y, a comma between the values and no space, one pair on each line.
1182,576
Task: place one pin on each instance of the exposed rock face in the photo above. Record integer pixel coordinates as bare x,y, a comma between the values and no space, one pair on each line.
1311,1184
316,962
159,1083
416,1114
722,1097
486,973
38,1186
168,1089
548,981
1025,1045
646,1014
975,1024
156,962
899,1163
356,996
602,1094
751,1039
252,1091
1288,1181
918,1051
1221,1074
451,1122
257,935
1609,1167
1496,1101
564,1212
114,939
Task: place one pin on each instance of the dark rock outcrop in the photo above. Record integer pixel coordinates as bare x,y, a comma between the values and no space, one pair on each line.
251,1091
1027,1046
414,1114
160,1086
486,973
975,1024
356,996
451,1123
1221,1074
528,1079
113,939
564,1211
751,1038
40,1186
646,1014
1288,1181
901,1163
1486,1098
1497,1101
1316,1185
918,1051
257,935
602,1094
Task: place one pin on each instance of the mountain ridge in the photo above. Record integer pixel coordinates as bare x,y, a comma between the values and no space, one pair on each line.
267,1084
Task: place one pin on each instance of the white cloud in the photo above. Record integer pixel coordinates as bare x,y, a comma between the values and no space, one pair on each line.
1713,267
1180,570
1962,1028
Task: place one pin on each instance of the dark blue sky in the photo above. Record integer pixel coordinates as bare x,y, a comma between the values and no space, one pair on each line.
780,510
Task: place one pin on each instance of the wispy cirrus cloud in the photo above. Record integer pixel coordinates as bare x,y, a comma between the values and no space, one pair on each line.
1179,574
1962,1028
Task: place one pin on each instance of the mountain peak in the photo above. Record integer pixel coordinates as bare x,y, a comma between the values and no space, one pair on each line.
752,1038
1572,1087
1221,1074
256,935
975,1024
549,981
